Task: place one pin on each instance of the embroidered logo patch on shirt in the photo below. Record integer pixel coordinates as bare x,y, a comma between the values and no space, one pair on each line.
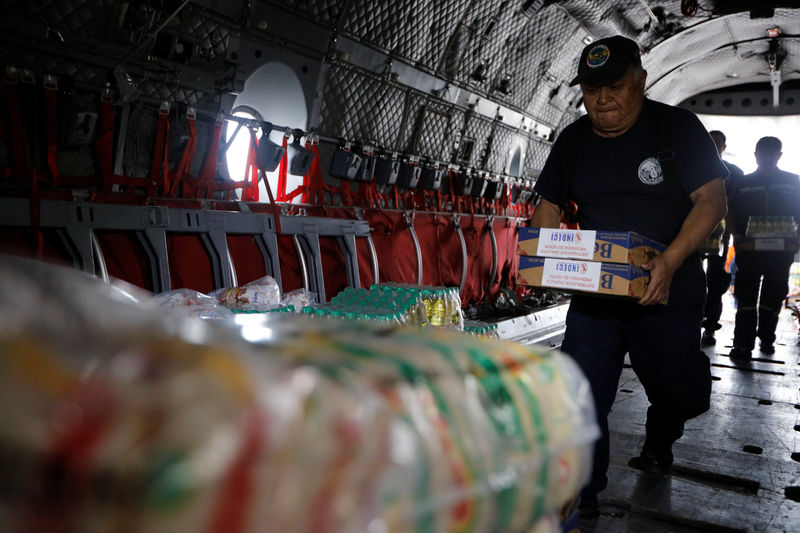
598,56
650,172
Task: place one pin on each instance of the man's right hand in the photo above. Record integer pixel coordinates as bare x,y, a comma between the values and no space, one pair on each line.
546,215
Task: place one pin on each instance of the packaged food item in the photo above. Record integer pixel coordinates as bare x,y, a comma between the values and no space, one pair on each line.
258,295
129,413
625,247
610,279
298,299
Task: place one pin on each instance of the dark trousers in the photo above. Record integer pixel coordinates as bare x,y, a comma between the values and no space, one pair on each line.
717,282
757,314
663,342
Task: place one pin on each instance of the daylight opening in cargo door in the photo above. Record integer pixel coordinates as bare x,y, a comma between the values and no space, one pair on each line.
743,132
272,94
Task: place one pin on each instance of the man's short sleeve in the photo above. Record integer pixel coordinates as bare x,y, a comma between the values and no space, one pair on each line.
696,156
548,185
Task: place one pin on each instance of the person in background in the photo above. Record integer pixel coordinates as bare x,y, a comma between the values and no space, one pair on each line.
768,201
606,170
717,278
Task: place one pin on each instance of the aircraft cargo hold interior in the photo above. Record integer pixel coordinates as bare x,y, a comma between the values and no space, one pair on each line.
331,266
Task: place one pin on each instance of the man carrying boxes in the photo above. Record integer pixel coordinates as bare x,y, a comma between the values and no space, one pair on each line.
764,210
634,165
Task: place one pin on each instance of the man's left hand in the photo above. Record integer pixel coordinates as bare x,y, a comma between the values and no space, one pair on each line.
661,271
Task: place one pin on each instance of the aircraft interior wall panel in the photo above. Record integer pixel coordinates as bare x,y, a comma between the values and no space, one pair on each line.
408,29
435,132
484,59
90,18
500,145
359,106
326,12
535,156
477,129
533,60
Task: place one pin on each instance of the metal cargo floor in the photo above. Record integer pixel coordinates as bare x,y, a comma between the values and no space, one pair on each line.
737,467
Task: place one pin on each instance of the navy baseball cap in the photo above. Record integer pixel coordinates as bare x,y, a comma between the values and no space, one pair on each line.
607,60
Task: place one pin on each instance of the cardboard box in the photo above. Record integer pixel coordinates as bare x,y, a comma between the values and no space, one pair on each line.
590,245
583,276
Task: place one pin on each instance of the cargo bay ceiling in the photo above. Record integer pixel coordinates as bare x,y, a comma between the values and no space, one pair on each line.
418,76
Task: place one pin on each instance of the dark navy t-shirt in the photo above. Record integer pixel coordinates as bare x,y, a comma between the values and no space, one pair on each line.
618,183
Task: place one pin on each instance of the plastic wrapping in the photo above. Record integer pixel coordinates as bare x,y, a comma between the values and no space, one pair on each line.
298,299
274,422
262,294
191,303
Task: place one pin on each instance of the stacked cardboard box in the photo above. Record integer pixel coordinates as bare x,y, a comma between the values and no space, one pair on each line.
603,262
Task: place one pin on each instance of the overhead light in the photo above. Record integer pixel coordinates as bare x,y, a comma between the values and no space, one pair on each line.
732,75
773,32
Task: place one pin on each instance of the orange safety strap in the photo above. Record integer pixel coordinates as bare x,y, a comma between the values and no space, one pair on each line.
282,168
161,150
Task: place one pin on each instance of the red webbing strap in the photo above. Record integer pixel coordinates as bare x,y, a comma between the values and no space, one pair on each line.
210,165
307,175
51,117
396,195
451,180
303,187
282,168
188,153
372,194
418,196
105,141
316,184
364,194
160,150
347,195
311,144
250,193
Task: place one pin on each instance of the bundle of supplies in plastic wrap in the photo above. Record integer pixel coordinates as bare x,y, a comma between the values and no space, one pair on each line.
192,303
417,305
117,416
258,295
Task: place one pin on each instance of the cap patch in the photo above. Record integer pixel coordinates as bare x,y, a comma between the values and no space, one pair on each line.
598,56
